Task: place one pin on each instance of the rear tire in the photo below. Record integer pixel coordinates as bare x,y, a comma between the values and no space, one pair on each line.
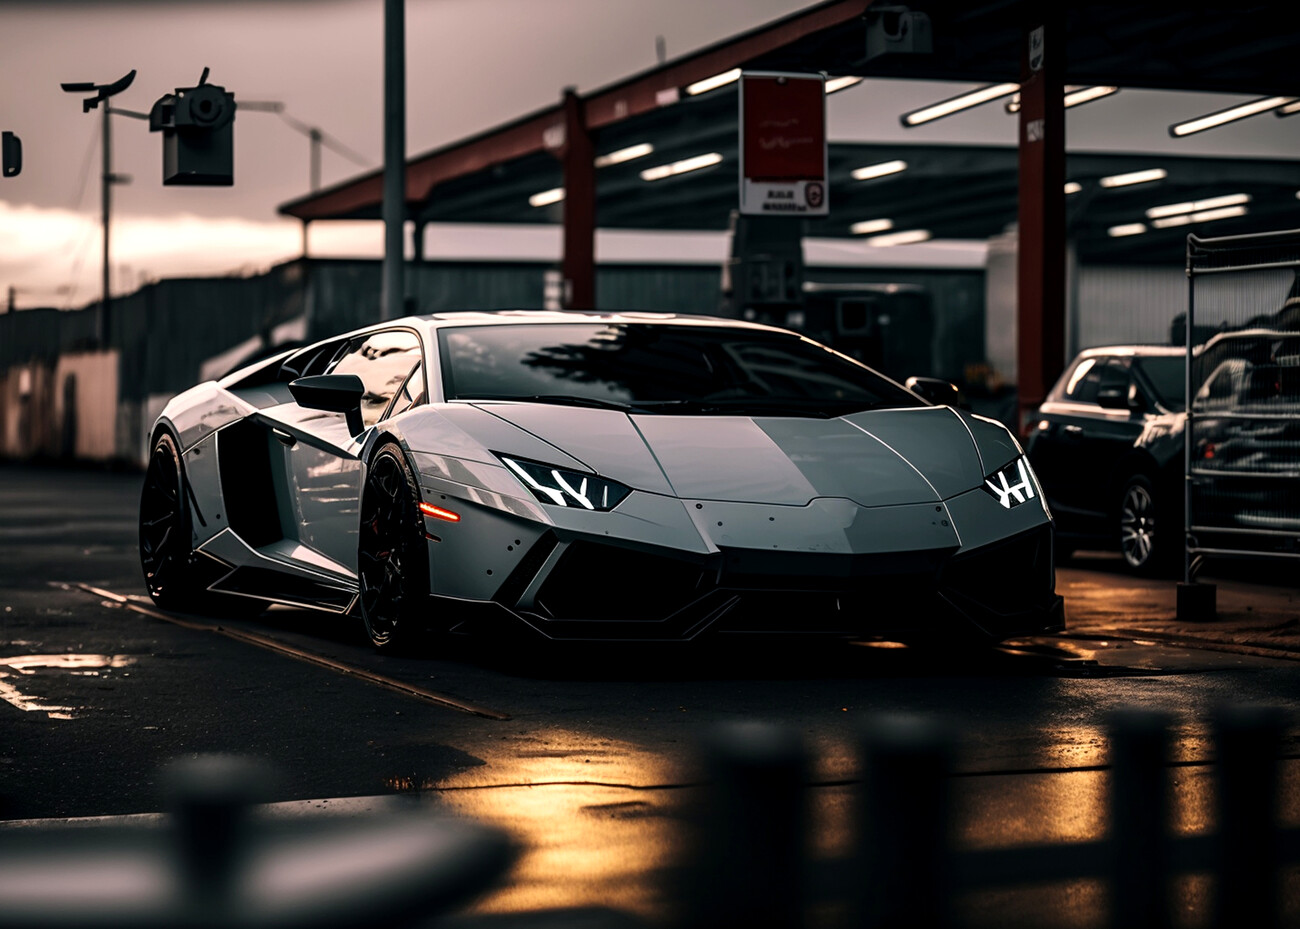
166,534
1144,538
392,554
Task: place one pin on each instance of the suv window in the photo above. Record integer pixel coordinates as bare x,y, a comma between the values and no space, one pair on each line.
383,361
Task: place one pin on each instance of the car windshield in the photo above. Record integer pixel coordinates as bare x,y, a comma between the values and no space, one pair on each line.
1165,374
644,367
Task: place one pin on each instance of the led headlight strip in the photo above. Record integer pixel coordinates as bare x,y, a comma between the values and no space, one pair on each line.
1012,485
562,487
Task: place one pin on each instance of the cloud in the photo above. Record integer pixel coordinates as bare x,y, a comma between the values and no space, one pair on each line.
52,256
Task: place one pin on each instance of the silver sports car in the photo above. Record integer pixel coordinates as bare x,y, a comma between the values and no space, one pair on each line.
594,476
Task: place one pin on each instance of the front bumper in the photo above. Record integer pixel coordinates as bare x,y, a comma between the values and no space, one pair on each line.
588,590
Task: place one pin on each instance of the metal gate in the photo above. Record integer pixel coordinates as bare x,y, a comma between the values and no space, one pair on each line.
1242,440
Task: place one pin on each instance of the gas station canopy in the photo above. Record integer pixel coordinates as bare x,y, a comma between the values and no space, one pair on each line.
961,192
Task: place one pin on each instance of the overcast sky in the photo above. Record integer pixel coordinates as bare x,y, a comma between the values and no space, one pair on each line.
471,64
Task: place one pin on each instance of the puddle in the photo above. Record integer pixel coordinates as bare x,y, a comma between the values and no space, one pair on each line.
28,665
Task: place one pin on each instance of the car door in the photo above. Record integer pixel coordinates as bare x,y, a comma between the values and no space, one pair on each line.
1105,442
321,459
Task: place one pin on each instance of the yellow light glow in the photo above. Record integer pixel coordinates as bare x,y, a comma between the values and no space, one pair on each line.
1126,229
868,226
1211,203
882,169
907,237
1134,177
841,83
959,103
1076,96
659,172
1202,216
1231,114
630,153
547,197
1073,187
712,83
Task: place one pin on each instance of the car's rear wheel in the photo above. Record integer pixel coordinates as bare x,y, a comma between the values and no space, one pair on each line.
1143,538
165,531
392,554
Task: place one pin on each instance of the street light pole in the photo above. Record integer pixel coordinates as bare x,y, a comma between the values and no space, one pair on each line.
106,209
392,295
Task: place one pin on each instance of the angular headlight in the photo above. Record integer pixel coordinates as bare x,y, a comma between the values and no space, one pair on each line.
562,487
1013,484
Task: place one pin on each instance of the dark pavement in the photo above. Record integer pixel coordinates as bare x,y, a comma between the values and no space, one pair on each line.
585,755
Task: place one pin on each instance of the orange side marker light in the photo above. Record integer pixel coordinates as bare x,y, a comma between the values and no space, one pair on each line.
437,512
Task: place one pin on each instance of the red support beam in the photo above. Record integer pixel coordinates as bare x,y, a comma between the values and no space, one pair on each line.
639,94
1040,270
578,155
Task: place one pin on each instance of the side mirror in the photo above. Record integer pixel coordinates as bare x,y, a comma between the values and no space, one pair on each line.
333,393
937,391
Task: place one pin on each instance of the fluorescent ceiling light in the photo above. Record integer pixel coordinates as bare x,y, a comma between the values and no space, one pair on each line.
1127,229
841,83
659,172
1288,109
1173,209
1134,177
624,154
712,83
547,197
1231,114
1073,187
868,226
1075,94
877,170
909,237
1203,216
957,104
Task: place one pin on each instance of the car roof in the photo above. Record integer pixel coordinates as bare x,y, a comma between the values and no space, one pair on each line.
1136,351
516,317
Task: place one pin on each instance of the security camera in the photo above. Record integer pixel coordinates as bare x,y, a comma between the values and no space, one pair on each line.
896,29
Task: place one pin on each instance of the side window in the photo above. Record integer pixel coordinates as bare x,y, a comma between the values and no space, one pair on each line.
1082,385
1094,375
1112,378
383,361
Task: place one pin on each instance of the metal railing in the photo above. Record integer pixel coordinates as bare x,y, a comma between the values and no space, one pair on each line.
1242,398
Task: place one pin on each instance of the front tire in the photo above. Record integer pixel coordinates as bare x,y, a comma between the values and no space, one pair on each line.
166,535
392,554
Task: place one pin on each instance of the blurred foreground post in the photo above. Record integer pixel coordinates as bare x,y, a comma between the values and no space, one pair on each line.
1139,819
903,857
750,860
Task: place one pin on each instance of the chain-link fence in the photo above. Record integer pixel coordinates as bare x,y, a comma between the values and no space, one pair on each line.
1242,442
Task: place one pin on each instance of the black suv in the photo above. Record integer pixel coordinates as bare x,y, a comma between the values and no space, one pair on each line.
1108,451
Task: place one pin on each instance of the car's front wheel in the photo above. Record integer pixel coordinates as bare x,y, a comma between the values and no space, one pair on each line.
165,533
392,554
1143,536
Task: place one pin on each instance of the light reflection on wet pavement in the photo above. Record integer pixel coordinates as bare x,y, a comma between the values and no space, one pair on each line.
29,665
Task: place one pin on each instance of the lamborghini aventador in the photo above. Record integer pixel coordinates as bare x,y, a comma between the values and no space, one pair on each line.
594,476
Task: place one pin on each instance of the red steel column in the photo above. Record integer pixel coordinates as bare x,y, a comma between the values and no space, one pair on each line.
579,262
1040,271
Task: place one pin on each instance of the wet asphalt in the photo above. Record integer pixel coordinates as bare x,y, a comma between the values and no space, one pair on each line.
586,755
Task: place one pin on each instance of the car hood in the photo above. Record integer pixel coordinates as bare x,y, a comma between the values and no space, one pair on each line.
876,458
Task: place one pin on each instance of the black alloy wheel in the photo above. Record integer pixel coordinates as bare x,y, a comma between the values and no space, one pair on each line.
165,529
392,554
1138,541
